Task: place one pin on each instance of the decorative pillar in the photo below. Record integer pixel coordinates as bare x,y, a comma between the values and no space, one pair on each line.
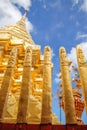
67,89
83,72
46,115
24,96
6,84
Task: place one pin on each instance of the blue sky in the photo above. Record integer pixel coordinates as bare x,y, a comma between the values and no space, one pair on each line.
55,23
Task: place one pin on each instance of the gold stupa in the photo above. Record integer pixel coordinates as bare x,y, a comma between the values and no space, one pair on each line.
25,78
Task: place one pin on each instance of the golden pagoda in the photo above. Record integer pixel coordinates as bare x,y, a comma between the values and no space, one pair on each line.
25,78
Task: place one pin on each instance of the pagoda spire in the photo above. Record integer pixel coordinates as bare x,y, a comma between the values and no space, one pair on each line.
26,12
21,22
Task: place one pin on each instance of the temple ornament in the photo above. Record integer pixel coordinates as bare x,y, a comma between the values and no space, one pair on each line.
46,114
6,83
67,89
82,65
22,116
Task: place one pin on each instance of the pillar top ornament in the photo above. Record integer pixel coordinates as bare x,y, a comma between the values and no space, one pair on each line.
28,49
28,55
80,56
63,59
47,49
47,55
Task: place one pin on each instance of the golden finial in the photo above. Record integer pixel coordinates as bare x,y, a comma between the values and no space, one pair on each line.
26,11
21,22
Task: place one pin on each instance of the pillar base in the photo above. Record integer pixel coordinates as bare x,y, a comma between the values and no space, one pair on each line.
45,126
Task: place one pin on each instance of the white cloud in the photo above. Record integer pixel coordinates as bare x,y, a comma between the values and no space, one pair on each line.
75,2
72,54
57,80
10,13
81,36
84,6
52,53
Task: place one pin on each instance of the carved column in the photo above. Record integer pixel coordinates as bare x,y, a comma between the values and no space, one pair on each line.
67,90
6,84
24,96
83,72
46,115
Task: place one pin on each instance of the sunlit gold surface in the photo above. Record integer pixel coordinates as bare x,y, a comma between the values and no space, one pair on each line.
83,72
67,89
